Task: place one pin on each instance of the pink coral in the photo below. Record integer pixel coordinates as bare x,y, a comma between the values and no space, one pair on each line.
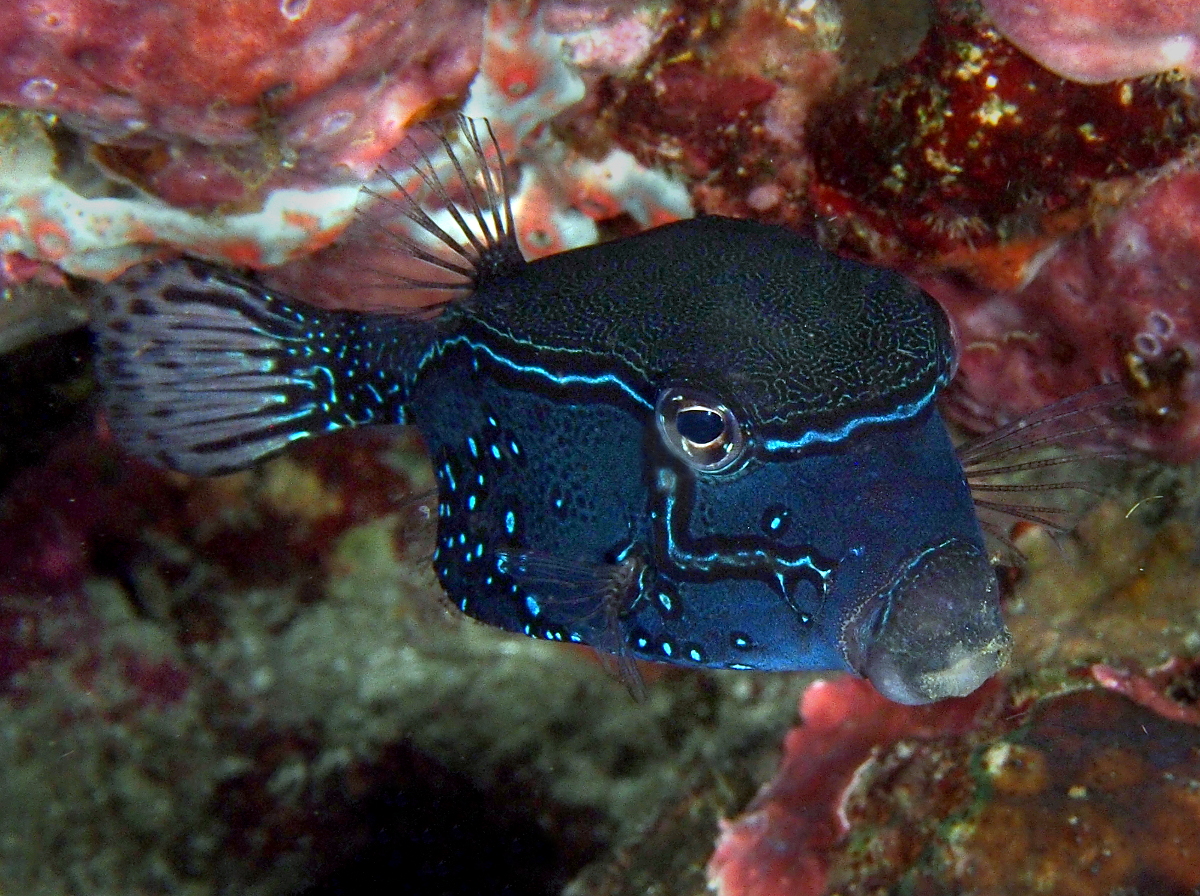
245,127
787,838
1169,690
1112,304
1094,41
254,155
222,73
1087,793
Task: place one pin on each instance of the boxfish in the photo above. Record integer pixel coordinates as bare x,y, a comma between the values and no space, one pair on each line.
712,444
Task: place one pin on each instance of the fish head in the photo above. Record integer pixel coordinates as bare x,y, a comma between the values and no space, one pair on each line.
861,551
805,506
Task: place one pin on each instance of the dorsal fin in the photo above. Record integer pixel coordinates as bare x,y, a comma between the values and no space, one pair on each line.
444,200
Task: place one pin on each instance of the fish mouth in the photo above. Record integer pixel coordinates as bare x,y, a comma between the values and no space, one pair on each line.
935,631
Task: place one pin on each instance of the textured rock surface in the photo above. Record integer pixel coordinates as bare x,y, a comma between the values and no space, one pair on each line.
166,85
1113,303
1085,793
1095,41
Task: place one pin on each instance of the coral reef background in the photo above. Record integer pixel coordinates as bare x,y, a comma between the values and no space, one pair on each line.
251,684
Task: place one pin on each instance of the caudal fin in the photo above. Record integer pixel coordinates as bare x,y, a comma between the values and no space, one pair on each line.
205,373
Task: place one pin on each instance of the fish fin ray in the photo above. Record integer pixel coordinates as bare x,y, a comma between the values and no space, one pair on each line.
599,593
459,173
205,372
1046,467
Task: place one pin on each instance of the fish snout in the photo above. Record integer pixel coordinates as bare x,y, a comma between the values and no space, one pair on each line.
935,631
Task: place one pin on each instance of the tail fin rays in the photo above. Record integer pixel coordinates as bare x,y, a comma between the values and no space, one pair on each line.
206,373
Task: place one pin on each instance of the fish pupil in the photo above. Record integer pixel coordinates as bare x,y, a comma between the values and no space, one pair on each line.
700,425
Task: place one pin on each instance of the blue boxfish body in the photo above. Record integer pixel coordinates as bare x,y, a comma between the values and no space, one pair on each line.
711,444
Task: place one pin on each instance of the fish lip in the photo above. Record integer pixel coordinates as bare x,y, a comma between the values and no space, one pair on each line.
934,631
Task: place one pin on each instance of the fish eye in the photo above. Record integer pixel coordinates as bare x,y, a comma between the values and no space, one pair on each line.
699,429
